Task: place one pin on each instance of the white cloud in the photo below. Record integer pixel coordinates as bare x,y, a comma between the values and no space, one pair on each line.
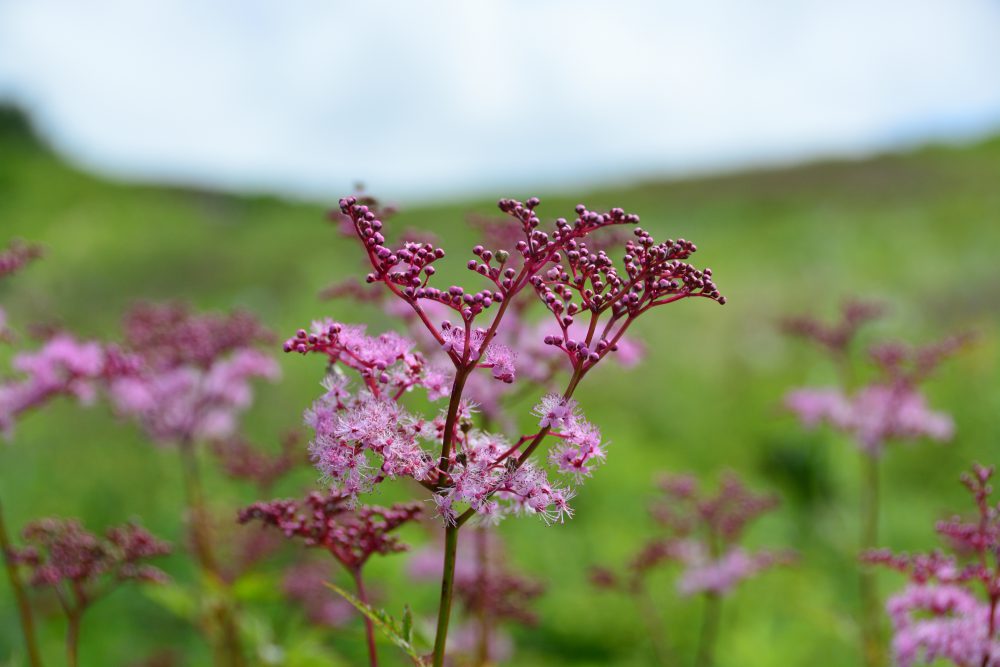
437,98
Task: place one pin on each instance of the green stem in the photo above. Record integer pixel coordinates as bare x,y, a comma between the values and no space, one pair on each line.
709,631
20,595
871,634
447,588
654,624
482,560
73,637
229,651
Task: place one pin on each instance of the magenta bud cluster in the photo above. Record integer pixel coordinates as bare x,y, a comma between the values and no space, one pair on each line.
330,521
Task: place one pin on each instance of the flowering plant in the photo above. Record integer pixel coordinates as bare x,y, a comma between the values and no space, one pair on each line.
82,568
364,434
702,532
949,609
889,407
350,535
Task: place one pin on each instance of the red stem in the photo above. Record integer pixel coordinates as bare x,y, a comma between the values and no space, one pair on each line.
20,596
369,626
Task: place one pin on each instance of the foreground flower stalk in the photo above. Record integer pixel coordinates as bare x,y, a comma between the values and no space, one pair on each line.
365,434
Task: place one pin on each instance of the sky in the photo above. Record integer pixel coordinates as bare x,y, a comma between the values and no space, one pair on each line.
440,99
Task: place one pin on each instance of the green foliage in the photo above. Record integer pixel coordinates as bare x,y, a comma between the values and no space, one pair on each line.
399,633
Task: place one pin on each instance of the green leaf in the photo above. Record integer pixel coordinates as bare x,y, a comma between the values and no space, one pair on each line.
400,634
177,599
407,624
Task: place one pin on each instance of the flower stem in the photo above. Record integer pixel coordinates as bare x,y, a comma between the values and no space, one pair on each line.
73,619
709,631
447,588
871,635
369,626
654,623
461,375
482,560
229,651
20,596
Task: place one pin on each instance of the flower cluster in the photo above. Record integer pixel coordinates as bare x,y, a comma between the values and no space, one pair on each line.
874,415
364,435
702,533
949,611
192,372
62,553
536,361
351,429
888,408
328,521
63,366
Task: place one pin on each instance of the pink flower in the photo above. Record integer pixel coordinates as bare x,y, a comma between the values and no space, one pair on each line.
63,366
941,622
192,374
875,415
945,612
554,411
815,406
721,575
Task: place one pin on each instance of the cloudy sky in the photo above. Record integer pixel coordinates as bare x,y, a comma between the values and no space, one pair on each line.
430,99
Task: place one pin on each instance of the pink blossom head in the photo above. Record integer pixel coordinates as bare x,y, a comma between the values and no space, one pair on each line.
874,415
941,622
63,366
721,575
944,613
191,375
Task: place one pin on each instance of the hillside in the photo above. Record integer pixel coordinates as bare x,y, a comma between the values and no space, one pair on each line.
920,230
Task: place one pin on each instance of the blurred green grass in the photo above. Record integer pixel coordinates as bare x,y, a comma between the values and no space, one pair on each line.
919,230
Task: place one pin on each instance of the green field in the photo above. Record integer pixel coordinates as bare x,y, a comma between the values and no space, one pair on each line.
919,230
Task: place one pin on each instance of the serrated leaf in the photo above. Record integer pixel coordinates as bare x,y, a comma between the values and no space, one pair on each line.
398,634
